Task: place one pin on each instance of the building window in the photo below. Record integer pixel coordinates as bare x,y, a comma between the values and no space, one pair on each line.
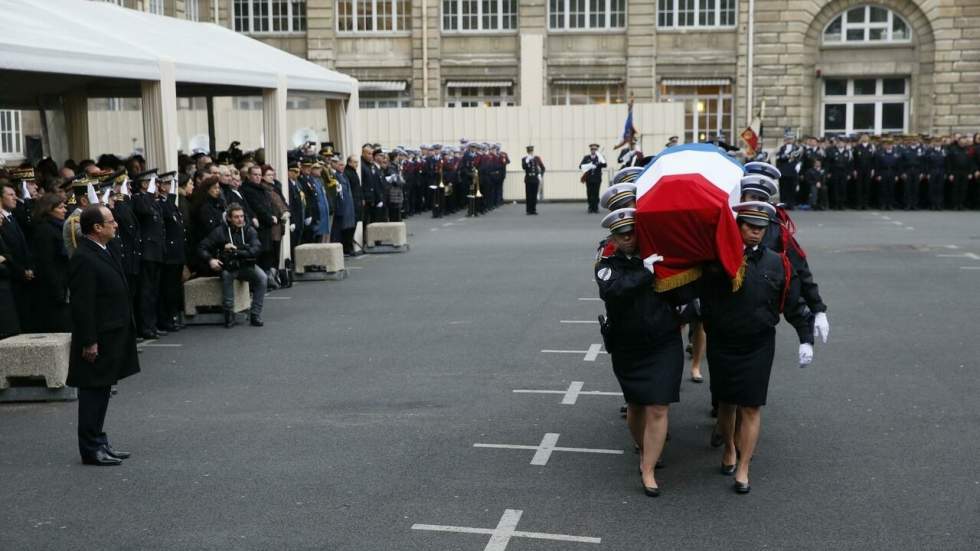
114,104
708,107
367,16
155,6
479,15
381,100
264,16
867,24
574,92
192,104
695,13
11,139
479,94
586,14
192,10
870,105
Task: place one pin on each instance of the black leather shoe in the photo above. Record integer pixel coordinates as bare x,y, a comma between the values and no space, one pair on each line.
727,470
256,321
118,454
150,335
650,491
230,320
742,487
162,331
101,458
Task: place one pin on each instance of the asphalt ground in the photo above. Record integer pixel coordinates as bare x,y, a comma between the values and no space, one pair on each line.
352,415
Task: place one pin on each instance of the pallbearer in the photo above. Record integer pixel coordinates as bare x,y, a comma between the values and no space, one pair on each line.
533,172
642,334
740,326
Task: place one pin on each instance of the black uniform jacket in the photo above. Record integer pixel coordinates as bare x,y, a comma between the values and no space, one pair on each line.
637,316
128,237
809,291
173,222
101,313
245,239
755,307
52,263
152,229
594,175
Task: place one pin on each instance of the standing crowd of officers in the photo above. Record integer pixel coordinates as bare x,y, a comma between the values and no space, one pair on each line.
642,327
200,220
890,172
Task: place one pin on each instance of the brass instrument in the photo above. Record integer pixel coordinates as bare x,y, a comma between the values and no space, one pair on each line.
474,194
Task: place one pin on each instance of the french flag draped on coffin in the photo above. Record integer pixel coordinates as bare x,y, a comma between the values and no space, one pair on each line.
684,201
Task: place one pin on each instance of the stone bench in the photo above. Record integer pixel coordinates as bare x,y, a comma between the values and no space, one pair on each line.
319,261
202,300
34,366
386,237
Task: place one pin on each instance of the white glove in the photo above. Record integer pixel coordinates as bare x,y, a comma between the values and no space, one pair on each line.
586,167
285,215
390,178
649,261
308,221
292,227
821,327
379,205
806,354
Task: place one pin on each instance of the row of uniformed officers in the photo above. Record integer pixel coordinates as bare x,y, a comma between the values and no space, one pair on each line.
642,328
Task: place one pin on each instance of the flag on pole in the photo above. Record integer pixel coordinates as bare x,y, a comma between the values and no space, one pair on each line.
684,213
629,131
752,136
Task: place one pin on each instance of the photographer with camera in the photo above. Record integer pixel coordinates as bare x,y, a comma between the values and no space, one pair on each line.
232,250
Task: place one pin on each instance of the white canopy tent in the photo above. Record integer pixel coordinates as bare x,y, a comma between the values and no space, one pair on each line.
55,54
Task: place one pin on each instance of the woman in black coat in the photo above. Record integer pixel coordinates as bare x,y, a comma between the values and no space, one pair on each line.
741,330
257,196
351,172
51,297
9,323
207,209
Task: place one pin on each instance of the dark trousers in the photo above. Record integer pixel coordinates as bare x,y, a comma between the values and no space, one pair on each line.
886,192
438,199
936,182
787,190
592,194
531,193
347,239
959,191
838,191
171,293
149,293
92,406
910,191
394,212
863,190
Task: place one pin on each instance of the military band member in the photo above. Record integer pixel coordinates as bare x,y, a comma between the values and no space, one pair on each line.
887,167
642,334
864,163
533,173
787,158
174,256
591,167
153,233
740,326
959,170
934,164
839,171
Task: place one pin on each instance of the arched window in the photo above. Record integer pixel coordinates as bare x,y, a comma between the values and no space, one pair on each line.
867,25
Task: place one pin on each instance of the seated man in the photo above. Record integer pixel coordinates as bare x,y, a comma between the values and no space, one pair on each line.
231,249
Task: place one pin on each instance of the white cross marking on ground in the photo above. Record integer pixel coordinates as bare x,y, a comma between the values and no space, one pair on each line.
505,531
570,396
543,451
590,355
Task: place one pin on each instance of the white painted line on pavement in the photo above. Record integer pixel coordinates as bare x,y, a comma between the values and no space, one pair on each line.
461,219
886,217
909,228
594,351
354,267
590,298
547,351
970,267
506,530
433,229
447,224
571,395
971,256
548,445
273,297
951,246
580,321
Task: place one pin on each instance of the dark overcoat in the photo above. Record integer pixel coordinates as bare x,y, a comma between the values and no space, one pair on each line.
101,313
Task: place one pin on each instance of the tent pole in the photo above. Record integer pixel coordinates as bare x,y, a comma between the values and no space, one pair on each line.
211,139
274,131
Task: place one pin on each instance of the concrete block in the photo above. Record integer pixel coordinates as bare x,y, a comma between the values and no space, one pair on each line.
35,356
318,261
202,300
386,237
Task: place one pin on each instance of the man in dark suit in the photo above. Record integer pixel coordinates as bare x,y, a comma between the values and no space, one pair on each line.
103,339
20,260
591,167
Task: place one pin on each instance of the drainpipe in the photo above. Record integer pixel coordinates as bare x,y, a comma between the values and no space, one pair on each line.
748,86
425,54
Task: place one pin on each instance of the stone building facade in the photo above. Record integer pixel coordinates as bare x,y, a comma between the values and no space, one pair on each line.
818,66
